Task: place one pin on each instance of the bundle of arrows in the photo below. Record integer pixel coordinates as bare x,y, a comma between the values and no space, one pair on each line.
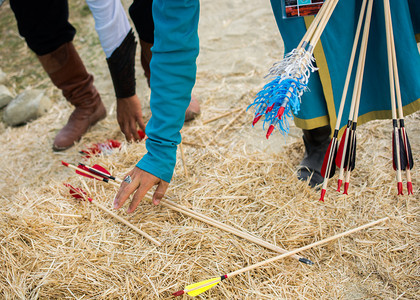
100,173
345,155
289,78
402,156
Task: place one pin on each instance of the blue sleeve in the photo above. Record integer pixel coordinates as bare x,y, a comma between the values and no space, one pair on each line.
173,72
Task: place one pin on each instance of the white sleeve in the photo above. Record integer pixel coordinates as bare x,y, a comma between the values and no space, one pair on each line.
111,23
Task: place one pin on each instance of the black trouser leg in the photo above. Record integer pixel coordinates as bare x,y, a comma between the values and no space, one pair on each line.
316,144
141,14
43,23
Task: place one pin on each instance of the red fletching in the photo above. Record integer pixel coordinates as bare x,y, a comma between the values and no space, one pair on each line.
91,151
101,169
346,188
409,188
77,193
179,293
322,195
95,170
64,163
101,147
269,131
82,173
340,150
114,143
256,119
400,188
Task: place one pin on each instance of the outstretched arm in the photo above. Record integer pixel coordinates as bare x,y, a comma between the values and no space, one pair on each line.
173,71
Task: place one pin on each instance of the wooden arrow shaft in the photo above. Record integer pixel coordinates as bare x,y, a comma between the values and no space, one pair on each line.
351,63
205,219
319,243
117,217
392,85
355,102
136,229
225,227
273,259
331,4
313,25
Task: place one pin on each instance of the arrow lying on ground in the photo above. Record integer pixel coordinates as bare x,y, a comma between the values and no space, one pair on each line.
78,193
100,173
200,287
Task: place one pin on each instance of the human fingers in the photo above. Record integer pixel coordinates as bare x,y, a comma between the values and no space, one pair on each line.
140,122
133,129
125,128
127,132
145,185
127,188
160,192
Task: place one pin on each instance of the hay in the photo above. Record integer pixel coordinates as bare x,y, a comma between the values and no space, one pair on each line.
53,246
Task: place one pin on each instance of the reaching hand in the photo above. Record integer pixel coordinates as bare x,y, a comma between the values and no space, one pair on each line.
129,114
141,181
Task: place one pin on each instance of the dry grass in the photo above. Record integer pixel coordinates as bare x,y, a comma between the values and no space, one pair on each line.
53,246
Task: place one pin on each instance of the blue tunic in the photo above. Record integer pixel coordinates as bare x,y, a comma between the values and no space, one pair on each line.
320,105
172,78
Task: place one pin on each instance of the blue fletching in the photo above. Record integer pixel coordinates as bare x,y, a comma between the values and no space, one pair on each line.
289,80
280,91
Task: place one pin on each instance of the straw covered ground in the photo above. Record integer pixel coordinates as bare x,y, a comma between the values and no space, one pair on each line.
53,246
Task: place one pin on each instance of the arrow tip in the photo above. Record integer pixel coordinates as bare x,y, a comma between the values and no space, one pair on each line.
270,108
269,131
410,188
280,112
179,293
306,261
322,195
256,119
400,188
340,182
346,188
64,163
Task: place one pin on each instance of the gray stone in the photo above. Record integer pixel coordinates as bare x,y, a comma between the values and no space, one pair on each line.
5,96
3,77
27,106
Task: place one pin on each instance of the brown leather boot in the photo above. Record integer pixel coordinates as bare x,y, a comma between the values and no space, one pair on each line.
68,73
193,109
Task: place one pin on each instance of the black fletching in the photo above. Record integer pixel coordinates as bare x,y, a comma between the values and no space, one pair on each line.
352,164
348,147
332,165
403,153
394,152
350,159
410,161
409,153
